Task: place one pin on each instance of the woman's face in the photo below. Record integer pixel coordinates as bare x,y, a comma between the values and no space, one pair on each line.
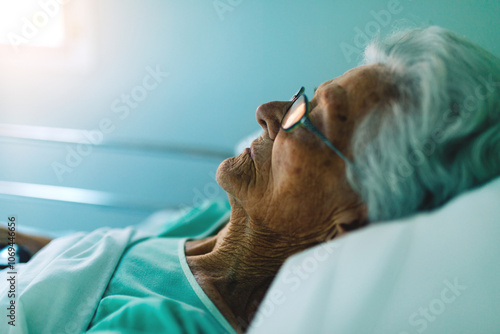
291,181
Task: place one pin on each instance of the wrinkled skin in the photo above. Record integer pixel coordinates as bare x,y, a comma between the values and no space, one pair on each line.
295,184
288,193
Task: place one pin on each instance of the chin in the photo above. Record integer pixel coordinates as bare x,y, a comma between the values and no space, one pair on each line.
221,174
232,172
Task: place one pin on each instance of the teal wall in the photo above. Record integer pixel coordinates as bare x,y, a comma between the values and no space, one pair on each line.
223,59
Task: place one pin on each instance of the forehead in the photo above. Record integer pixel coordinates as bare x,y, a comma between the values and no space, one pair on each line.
360,75
359,86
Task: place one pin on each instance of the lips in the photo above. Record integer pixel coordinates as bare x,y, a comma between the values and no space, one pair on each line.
252,149
249,152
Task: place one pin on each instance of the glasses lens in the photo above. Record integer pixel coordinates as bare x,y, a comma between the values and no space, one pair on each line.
295,114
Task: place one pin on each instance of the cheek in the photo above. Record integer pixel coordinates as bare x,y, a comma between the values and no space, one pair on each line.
303,165
296,169
287,165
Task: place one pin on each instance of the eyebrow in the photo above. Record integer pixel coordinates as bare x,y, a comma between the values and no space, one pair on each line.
337,86
342,98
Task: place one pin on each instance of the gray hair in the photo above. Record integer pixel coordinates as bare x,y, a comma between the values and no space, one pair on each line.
440,135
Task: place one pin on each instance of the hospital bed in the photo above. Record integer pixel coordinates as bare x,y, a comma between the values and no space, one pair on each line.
435,272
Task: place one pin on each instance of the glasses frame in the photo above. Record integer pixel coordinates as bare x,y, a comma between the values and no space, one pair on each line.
306,122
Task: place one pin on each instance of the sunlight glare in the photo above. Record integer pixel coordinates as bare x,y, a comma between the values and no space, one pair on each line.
31,23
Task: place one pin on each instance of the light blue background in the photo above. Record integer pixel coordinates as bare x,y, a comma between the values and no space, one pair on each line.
221,66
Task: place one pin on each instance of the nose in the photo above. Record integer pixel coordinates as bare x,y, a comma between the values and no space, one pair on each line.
269,116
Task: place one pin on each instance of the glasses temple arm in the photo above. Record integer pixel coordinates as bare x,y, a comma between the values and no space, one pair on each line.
307,123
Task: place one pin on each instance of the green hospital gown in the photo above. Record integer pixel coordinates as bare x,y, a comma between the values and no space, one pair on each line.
153,290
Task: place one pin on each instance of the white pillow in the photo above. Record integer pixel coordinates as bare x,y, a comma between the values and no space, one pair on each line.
435,272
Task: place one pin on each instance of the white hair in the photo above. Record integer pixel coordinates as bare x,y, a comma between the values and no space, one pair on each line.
439,135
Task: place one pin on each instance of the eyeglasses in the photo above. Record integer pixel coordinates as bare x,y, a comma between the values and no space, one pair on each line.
298,114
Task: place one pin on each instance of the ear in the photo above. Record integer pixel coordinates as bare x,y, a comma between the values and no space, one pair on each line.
351,220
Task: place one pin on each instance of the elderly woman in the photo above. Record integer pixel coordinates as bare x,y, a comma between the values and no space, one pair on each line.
415,125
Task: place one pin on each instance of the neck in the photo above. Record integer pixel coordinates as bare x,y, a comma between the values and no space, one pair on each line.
236,267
